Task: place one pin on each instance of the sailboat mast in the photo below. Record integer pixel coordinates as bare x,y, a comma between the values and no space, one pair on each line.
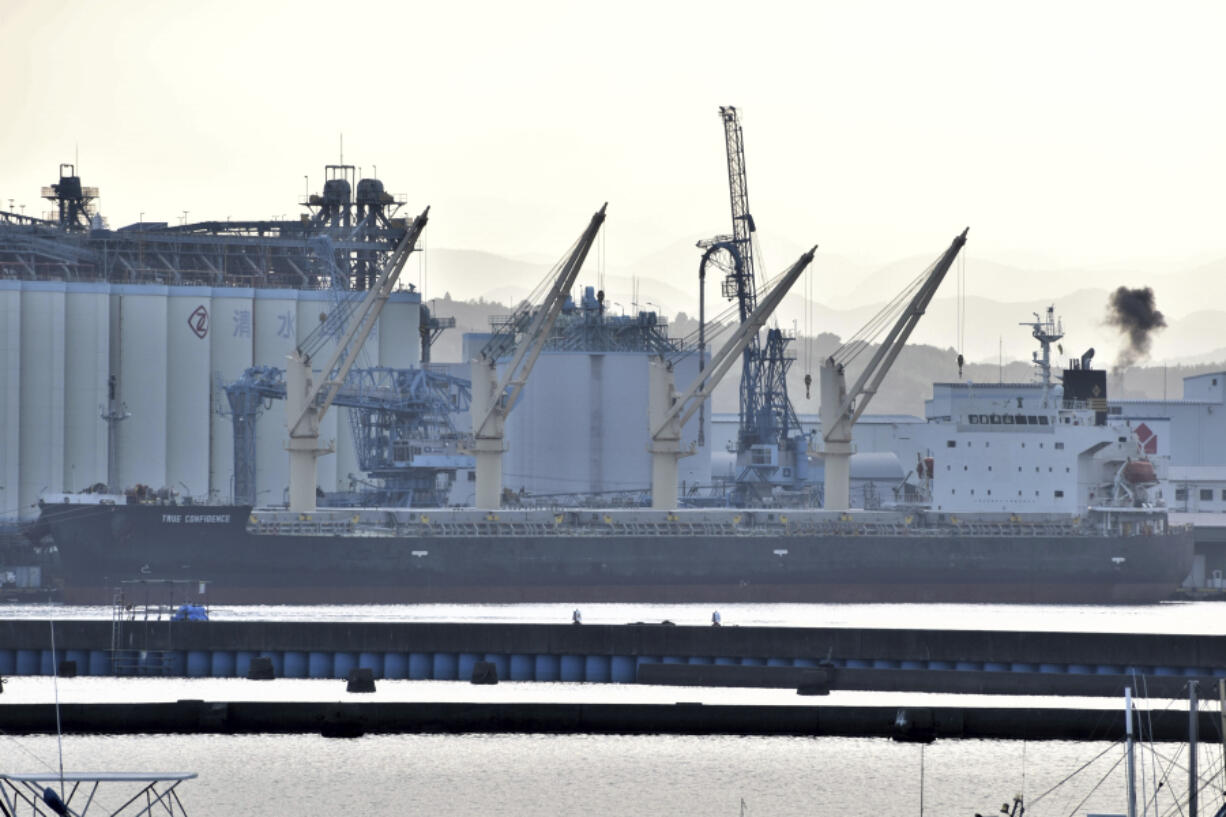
1132,769
1193,729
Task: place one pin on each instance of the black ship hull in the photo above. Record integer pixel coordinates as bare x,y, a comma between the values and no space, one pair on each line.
102,546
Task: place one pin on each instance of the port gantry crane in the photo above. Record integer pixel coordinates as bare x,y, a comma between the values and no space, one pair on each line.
526,332
307,401
770,445
668,413
841,407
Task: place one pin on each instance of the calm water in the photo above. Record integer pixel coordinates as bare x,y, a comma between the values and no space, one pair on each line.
610,775
1170,617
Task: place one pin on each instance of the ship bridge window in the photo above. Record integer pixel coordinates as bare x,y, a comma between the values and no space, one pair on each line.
995,419
1007,419
1042,420
983,419
951,443
1059,494
1181,494
973,418
1059,446
1020,419
1032,420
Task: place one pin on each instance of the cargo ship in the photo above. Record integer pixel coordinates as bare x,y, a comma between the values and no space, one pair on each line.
1110,555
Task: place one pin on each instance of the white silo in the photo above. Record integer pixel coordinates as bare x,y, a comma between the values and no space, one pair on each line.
232,341
41,420
139,362
399,335
10,399
276,334
189,322
313,307
86,372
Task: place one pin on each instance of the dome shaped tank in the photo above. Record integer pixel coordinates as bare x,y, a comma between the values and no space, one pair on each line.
336,192
370,192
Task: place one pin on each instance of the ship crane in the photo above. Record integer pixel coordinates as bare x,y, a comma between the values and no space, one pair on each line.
306,402
668,413
841,407
492,397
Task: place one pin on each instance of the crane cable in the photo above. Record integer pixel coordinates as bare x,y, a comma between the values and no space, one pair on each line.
960,309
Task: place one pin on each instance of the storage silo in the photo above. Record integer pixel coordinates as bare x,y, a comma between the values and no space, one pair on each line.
232,343
276,334
10,401
189,322
399,331
86,372
139,363
41,412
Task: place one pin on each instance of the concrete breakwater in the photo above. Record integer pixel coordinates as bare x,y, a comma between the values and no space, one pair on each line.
353,719
857,658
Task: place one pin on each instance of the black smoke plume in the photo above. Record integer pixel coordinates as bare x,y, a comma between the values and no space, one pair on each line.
1132,311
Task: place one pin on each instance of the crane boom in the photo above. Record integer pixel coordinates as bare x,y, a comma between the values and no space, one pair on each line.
841,407
491,402
306,402
668,412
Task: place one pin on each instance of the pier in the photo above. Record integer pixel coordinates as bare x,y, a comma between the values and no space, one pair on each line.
1006,662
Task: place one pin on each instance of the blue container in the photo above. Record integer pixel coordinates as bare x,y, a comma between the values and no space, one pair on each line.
465,664
99,663
29,662
911,663
936,665
47,661
571,668
278,661
753,661
700,660
242,663
806,662
296,665
502,663
395,665
547,668
221,664
623,669
1080,669
342,662
1108,669
82,659
445,667
884,663
674,659
8,662
199,664
372,661
995,666
968,666
779,662
521,668
1021,666
1167,671
176,663
319,665
1051,668
421,666
596,669
858,663
725,661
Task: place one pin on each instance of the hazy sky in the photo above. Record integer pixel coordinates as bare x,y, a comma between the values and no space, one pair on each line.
1063,132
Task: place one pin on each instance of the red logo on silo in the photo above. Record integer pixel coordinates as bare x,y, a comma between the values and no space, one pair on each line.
199,321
